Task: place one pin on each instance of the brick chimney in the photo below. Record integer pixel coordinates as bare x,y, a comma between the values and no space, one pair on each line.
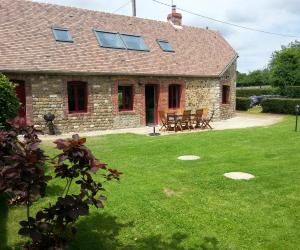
174,17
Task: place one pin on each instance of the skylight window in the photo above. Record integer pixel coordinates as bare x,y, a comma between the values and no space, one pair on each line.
165,45
133,42
110,40
62,35
120,41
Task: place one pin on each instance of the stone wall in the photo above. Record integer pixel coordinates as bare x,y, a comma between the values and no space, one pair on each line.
48,93
229,78
207,92
203,93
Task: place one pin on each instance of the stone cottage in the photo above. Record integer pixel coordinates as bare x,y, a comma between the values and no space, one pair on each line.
98,71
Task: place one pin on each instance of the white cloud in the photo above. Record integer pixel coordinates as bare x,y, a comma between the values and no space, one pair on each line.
255,49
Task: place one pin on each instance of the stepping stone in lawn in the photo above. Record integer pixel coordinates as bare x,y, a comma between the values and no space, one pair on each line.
188,158
239,176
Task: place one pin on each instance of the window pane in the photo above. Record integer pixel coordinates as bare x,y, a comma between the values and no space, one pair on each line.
77,96
225,94
81,96
174,96
125,98
134,42
165,46
110,40
62,35
71,97
120,98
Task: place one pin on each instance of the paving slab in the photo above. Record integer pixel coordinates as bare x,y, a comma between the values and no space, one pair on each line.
188,158
239,176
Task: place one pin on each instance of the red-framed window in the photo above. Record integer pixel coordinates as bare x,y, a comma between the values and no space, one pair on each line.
125,98
225,94
174,96
77,97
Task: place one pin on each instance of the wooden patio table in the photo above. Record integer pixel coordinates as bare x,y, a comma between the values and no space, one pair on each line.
177,119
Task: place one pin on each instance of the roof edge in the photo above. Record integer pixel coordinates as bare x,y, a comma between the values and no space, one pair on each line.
61,72
229,64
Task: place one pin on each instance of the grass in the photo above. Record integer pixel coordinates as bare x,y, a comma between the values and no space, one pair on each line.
255,110
163,203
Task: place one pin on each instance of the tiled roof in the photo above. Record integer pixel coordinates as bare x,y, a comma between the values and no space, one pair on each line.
27,43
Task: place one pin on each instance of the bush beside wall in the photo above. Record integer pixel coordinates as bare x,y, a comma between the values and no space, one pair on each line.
256,91
242,103
279,105
9,103
293,91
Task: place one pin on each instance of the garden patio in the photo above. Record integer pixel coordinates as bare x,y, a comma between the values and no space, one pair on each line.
164,203
241,120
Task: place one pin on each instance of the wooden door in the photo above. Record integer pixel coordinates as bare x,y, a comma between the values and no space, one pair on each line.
151,101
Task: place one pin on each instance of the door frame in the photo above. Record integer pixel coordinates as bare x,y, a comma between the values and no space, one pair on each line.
156,93
22,87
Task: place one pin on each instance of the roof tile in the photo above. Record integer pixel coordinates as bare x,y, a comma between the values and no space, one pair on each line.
27,43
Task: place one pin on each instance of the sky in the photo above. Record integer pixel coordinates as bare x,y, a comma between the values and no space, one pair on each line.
254,49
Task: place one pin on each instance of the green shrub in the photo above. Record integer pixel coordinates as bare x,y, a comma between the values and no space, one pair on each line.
9,103
279,105
292,91
251,84
256,91
242,103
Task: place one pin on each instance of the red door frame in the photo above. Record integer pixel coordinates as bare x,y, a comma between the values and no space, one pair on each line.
156,91
21,94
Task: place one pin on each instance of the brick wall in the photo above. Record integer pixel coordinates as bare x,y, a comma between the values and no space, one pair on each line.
48,93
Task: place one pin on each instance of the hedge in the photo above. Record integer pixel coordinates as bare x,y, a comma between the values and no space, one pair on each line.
242,103
293,91
9,103
251,84
279,105
256,91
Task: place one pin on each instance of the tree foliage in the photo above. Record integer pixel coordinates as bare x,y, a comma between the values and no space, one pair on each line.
9,103
22,174
23,179
53,226
254,78
285,66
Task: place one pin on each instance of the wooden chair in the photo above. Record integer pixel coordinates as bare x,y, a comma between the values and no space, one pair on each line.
206,121
185,120
163,118
205,113
171,121
198,118
167,120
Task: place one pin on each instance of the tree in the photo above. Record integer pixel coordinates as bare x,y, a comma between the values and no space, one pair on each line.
9,103
285,66
254,78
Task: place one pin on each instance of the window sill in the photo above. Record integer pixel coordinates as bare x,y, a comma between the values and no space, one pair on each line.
76,114
127,112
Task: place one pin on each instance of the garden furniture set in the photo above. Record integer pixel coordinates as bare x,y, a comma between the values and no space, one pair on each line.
185,120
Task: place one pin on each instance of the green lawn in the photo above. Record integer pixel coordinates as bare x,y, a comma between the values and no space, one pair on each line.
200,205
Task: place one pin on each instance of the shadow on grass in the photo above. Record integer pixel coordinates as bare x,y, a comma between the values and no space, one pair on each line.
101,231
3,222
